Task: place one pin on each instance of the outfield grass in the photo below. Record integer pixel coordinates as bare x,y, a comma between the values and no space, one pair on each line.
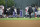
19,19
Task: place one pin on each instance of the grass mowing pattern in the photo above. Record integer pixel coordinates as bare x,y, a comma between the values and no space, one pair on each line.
19,19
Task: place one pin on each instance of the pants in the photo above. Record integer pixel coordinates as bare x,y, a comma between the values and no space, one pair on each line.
30,15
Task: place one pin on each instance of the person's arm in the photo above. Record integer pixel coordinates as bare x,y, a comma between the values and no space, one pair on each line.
28,10
32,10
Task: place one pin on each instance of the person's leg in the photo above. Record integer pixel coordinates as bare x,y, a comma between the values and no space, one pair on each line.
30,15
17,16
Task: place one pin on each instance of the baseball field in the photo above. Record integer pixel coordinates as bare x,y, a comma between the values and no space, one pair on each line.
19,22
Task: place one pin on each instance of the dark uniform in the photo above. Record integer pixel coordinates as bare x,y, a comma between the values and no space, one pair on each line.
11,11
30,10
18,12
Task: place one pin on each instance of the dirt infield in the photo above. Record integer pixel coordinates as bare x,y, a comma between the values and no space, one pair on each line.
19,23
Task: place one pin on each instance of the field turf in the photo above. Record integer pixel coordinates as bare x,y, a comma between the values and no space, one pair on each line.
19,18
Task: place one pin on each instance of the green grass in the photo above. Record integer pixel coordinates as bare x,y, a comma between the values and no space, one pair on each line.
19,19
